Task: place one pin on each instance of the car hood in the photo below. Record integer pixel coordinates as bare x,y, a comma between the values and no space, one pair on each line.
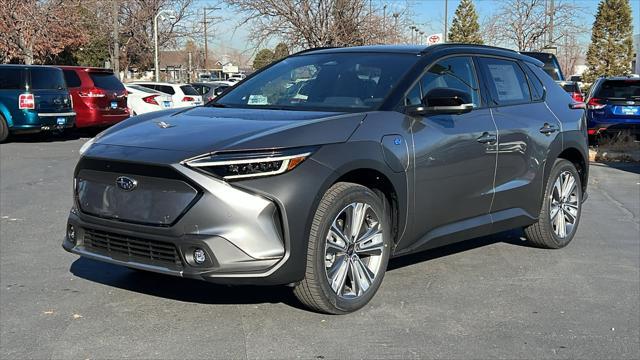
201,130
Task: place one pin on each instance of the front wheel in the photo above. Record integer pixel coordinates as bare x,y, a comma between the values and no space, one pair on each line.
561,208
348,250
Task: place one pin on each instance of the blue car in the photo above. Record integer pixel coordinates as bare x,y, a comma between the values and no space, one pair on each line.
613,105
33,99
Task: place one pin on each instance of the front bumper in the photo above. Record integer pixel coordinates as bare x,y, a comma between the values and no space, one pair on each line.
240,232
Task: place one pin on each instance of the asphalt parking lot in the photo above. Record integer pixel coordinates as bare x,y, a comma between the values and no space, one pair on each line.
491,297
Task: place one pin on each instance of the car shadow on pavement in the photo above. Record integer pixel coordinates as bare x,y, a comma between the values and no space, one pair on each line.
46,137
632,167
181,289
196,291
513,237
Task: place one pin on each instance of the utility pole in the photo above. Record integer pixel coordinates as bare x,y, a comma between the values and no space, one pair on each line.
395,28
446,12
206,48
116,34
551,13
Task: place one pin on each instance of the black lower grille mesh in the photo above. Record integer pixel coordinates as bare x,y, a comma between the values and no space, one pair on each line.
136,248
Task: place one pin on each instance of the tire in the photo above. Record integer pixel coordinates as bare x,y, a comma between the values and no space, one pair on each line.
556,231
329,256
4,129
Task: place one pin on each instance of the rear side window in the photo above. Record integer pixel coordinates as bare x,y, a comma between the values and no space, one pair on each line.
535,85
570,87
47,79
551,65
72,78
107,81
619,90
506,81
166,89
189,90
12,78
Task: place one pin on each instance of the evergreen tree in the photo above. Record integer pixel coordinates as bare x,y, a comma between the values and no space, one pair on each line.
263,58
465,27
611,50
281,51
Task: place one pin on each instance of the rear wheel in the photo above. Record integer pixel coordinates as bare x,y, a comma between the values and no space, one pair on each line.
561,208
4,129
348,250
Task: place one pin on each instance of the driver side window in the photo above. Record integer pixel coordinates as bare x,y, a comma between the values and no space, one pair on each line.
453,73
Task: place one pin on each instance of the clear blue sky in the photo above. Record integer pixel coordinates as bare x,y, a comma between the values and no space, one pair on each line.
429,13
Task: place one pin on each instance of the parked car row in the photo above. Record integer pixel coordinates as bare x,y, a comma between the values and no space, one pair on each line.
47,98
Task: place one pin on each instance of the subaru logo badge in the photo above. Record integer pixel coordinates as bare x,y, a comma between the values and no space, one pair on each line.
126,183
164,125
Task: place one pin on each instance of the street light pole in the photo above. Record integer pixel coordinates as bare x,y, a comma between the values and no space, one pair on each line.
384,22
446,11
155,41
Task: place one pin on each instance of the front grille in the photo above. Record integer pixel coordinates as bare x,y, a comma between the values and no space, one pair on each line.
117,246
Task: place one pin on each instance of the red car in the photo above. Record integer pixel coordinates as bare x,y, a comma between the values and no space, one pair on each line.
99,98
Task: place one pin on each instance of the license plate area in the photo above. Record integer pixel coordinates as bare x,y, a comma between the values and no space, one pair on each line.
114,104
61,121
627,110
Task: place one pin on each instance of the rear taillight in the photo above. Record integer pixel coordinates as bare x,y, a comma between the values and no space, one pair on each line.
187,98
596,131
577,96
595,104
209,98
151,99
26,101
92,93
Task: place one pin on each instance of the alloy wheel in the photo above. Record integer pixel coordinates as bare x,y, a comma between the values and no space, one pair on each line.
563,204
353,250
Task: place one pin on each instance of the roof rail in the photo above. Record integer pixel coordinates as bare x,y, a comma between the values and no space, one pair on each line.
316,48
466,44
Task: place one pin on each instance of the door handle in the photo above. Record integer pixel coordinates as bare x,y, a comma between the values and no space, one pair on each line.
548,129
487,138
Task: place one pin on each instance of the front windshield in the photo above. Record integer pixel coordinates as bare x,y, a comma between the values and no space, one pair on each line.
326,82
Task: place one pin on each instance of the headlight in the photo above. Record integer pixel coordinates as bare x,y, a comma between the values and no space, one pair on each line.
231,166
87,145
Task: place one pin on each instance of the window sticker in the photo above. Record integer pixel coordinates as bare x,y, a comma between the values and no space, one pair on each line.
506,81
257,100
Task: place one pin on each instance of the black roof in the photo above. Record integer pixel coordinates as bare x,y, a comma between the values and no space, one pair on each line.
424,50
22,66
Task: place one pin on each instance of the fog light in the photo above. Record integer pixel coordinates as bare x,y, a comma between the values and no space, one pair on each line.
71,233
199,256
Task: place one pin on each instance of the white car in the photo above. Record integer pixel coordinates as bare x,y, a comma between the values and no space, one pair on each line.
183,95
141,100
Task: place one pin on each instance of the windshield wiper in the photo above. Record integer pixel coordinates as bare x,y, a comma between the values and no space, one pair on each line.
218,105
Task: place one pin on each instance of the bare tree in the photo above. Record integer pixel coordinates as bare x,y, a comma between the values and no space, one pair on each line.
316,23
136,28
34,29
570,52
531,24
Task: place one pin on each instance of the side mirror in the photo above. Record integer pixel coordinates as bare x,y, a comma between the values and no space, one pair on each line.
443,101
